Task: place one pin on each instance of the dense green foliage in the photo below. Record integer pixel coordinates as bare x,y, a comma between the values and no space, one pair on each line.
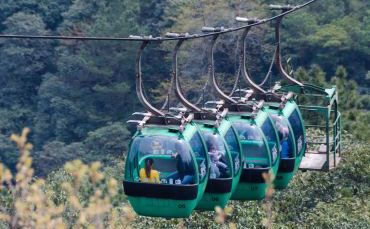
77,95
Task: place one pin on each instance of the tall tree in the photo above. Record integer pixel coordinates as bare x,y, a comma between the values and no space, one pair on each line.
92,79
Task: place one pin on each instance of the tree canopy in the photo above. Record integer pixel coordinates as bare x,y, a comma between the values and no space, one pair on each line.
79,94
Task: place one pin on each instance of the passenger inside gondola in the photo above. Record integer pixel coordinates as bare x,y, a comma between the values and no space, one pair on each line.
148,174
185,170
169,156
216,151
216,165
283,132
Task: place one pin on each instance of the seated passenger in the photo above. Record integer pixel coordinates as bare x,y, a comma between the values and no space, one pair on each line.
284,142
185,170
216,164
148,174
283,132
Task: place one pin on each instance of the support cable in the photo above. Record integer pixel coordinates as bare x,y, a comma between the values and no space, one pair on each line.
155,39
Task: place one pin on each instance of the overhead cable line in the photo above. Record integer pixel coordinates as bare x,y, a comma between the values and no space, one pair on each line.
184,36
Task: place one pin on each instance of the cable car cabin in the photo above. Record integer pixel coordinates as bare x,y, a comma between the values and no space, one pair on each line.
260,153
224,152
292,137
166,171
229,133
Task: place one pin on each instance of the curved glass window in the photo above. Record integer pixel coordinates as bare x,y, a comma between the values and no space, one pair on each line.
220,162
254,149
297,127
268,130
199,151
233,144
165,157
285,135
247,131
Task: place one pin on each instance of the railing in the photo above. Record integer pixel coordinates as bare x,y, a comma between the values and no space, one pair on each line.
331,136
337,132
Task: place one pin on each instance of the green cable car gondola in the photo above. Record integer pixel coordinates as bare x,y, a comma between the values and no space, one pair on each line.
222,146
327,155
290,112
295,136
172,147
252,185
260,149
291,135
219,186
225,169
182,179
291,127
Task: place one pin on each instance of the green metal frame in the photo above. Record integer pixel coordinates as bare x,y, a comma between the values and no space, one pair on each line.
329,157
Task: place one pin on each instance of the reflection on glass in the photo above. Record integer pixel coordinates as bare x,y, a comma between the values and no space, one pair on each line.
297,127
233,144
255,152
268,130
247,131
198,148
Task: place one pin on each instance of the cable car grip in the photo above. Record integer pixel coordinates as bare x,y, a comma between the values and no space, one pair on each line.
207,29
248,20
284,8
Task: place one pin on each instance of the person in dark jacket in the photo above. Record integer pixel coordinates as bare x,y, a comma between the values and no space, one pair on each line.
185,169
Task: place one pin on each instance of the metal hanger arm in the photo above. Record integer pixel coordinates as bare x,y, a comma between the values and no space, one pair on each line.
278,63
175,77
244,70
139,82
211,66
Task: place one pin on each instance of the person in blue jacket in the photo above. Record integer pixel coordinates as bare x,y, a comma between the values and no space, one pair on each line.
283,132
284,142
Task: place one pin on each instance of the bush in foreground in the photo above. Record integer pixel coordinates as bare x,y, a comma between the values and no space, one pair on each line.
82,199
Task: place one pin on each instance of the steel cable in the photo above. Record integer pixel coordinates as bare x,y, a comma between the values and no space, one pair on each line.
156,39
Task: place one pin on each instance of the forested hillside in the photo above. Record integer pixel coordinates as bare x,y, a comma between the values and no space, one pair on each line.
76,96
